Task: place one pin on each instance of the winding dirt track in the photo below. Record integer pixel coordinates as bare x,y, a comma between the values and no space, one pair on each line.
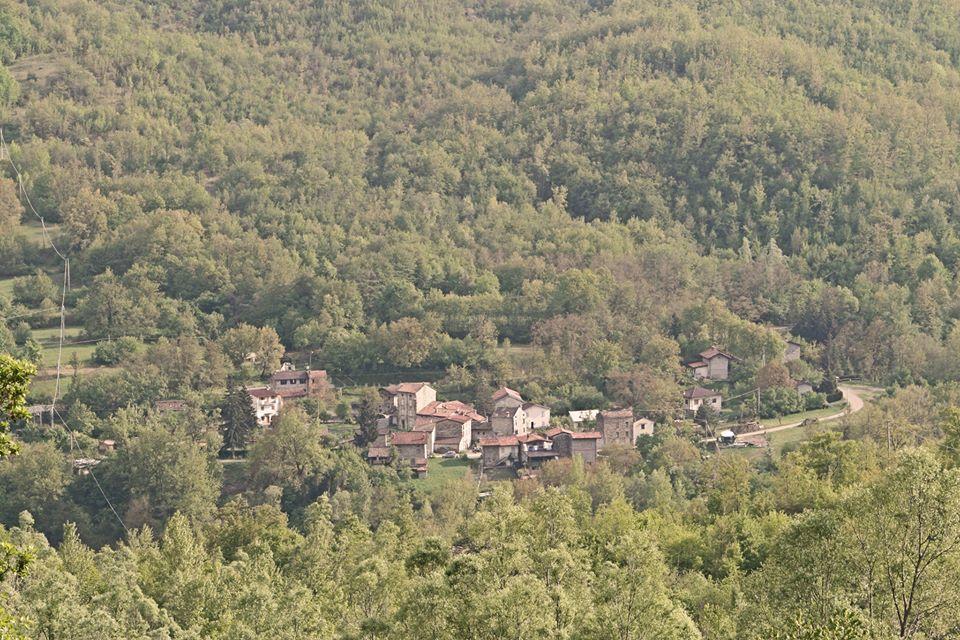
850,394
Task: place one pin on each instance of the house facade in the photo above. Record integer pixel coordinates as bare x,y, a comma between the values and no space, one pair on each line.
402,402
506,397
509,421
411,445
454,422
793,351
568,444
642,427
290,383
711,364
267,404
616,427
500,451
694,398
537,415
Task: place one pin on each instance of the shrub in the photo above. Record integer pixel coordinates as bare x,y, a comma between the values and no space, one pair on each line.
113,352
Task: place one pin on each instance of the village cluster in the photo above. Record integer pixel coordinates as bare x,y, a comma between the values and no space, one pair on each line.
414,425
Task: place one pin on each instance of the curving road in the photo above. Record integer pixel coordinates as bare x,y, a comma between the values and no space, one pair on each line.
850,394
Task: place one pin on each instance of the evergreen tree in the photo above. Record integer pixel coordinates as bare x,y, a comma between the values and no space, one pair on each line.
239,419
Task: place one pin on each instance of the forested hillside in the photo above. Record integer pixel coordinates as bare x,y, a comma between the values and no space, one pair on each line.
347,172
572,197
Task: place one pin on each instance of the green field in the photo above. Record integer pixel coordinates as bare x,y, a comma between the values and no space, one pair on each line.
49,340
799,417
442,471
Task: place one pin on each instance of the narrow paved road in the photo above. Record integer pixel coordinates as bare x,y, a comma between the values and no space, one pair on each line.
850,394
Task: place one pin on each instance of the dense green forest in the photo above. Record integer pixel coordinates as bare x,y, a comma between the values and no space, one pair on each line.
570,197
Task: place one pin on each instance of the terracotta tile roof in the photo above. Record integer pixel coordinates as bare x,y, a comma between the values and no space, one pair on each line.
312,374
504,392
553,433
409,437
454,410
404,387
699,392
713,352
502,441
530,437
585,435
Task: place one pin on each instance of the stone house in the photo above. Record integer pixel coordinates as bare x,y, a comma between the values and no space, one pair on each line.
793,352
616,427
506,397
535,450
412,445
697,396
500,451
290,383
454,422
711,364
402,402
568,444
267,404
509,421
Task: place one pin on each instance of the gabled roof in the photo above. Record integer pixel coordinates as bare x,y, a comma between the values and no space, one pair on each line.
454,410
554,432
506,412
696,365
527,438
404,387
586,435
617,413
378,452
505,392
713,352
410,437
531,405
700,392
313,374
502,441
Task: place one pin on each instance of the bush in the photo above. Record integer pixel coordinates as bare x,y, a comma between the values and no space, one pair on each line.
113,352
779,401
814,401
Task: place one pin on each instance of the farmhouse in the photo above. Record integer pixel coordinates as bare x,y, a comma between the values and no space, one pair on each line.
538,415
616,427
411,445
266,404
568,444
508,421
506,397
454,422
402,402
289,383
500,451
711,364
697,396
